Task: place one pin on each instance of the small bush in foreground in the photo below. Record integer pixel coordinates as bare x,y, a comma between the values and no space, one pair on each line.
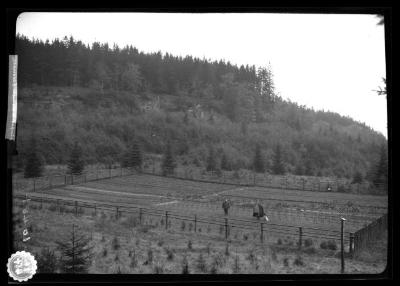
298,261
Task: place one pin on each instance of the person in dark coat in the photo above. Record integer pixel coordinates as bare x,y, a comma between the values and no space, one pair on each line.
225,206
258,210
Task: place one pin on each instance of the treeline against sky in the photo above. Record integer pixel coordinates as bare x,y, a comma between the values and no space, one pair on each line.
105,98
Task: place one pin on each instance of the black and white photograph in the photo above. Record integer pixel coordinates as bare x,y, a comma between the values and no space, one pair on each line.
198,143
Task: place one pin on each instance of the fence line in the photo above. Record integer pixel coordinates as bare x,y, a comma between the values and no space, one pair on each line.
227,223
288,182
370,233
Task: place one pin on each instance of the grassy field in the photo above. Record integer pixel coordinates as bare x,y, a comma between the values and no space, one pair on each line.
307,209
302,208
123,246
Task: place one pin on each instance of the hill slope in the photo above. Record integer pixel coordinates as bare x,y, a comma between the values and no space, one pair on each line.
104,98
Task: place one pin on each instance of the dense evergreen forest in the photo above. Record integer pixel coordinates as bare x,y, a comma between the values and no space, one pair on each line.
107,98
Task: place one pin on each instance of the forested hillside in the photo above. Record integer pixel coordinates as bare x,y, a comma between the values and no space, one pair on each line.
104,98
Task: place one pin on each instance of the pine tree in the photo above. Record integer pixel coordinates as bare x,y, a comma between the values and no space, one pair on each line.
357,178
47,261
33,165
258,162
277,167
168,163
225,163
381,174
75,163
135,156
211,163
76,253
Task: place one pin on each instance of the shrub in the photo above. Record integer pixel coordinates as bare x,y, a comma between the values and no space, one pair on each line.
279,242
47,261
330,244
160,243
201,263
298,261
158,268
285,262
251,257
310,250
245,237
130,222
115,243
227,250
214,268
185,266
208,248
170,254
189,245
105,252
236,265
116,258
134,261
274,256
150,256
183,226
308,242
199,230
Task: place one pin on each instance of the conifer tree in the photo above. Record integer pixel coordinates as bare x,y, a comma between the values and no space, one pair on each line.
380,178
258,162
277,166
75,163
211,163
76,252
33,165
135,156
225,163
168,163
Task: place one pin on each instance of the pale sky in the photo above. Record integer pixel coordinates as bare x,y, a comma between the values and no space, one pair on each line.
325,61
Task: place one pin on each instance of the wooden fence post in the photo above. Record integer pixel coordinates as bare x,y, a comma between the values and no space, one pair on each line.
262,232
95,209
116,212
58,205
342,220
195,223
65,180
76,207
300,237
166,220
226,228
351,242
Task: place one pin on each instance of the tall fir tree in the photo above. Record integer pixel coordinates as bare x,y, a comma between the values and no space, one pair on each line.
76,252
135,156
225,164
75,163
258,161
168,163
33,164
211,162
380,178
277,165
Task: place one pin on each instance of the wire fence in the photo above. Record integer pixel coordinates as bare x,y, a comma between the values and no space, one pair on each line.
245,177
373,231
222,226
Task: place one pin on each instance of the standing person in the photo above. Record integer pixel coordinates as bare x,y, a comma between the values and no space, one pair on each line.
225,206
